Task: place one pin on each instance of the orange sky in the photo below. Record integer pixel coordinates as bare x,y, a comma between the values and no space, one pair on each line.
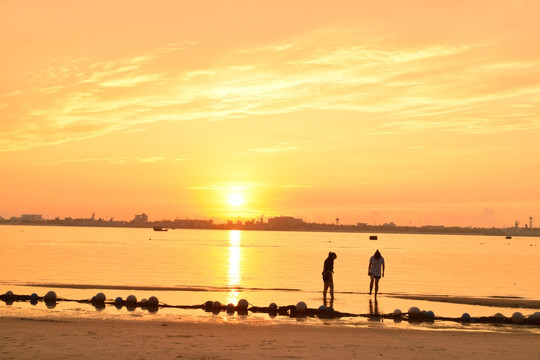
369,111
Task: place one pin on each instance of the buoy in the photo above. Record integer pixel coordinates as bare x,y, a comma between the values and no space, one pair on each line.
243,305
50,297
397,312
34,298
465,317
414,312
301,307
8,298
152,302
144,301
99,298
230,308
118,301
517,317
430,314
322,308
131,300
216,306
329,310
272,307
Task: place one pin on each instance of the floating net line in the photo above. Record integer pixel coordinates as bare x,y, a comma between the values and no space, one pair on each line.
299,310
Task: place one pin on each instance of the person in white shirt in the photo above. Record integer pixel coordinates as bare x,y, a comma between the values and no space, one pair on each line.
375,271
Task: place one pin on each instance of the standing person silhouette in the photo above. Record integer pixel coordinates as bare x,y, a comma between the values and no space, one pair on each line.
376,263
328,277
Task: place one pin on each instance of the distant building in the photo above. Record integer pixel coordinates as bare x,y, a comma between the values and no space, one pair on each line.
31,218
195,223
433,227
141,219
285,222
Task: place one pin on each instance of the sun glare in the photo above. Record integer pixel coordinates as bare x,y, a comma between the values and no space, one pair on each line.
236,199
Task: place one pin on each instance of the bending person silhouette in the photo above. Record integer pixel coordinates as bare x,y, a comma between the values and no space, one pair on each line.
328,277
376,264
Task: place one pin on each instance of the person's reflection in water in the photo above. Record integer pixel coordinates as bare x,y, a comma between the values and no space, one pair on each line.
374,311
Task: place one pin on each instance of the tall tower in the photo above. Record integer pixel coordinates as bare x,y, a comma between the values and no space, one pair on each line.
530,222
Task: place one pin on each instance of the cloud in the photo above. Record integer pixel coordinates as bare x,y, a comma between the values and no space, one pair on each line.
109,160
151,159
456,87
275,148
181,159
218,187
132,81
297,186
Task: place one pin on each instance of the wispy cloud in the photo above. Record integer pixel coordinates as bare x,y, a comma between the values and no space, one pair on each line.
151,159
130,82
297,186
275,148
217,187
466,88
108,160
185,158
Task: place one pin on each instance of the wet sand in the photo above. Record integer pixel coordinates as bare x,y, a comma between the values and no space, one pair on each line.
69,338
509,302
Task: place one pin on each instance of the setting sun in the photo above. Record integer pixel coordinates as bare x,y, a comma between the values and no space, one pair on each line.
236,199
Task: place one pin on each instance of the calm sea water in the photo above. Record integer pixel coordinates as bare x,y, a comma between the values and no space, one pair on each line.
189,267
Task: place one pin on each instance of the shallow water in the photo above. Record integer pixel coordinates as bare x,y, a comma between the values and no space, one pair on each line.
189,267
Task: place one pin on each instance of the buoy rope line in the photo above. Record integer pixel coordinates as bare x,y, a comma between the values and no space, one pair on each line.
300,310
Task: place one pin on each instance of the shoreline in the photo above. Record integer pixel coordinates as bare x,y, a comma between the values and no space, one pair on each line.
371,229
43,338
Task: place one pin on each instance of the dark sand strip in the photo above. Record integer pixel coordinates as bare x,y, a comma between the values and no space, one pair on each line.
482,301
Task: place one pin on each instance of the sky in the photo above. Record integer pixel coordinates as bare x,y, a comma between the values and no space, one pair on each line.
418,112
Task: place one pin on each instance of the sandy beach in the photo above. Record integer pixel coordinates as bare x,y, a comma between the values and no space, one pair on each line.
69,338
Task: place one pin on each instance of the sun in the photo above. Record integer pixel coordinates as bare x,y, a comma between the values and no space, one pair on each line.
236,199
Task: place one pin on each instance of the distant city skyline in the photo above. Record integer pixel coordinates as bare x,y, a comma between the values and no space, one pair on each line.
414,113
146,218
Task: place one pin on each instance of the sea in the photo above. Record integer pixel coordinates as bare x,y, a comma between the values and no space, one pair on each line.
184,268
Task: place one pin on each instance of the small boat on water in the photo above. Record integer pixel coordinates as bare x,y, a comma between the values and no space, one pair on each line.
373,237
159,228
